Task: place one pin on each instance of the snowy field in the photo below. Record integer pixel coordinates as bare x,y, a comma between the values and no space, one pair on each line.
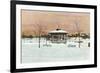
54,52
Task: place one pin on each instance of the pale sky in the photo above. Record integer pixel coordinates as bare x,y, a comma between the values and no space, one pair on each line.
50,20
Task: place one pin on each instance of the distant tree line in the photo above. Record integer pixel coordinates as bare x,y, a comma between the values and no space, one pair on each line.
31,36
27,36
82,35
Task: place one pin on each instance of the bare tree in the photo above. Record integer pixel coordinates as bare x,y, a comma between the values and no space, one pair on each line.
78,31
39,30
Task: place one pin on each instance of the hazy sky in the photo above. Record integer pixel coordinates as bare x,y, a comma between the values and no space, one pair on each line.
48,20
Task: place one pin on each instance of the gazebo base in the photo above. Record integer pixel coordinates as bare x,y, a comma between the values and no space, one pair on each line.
63,41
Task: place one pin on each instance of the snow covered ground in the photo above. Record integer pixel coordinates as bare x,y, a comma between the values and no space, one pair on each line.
54,52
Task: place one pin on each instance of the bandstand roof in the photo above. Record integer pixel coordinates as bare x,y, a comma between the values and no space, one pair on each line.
58,31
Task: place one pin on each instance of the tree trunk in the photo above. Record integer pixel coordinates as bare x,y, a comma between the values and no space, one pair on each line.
46,40
39,40
79,40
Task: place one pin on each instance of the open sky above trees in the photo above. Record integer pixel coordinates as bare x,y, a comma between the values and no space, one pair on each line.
35,21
